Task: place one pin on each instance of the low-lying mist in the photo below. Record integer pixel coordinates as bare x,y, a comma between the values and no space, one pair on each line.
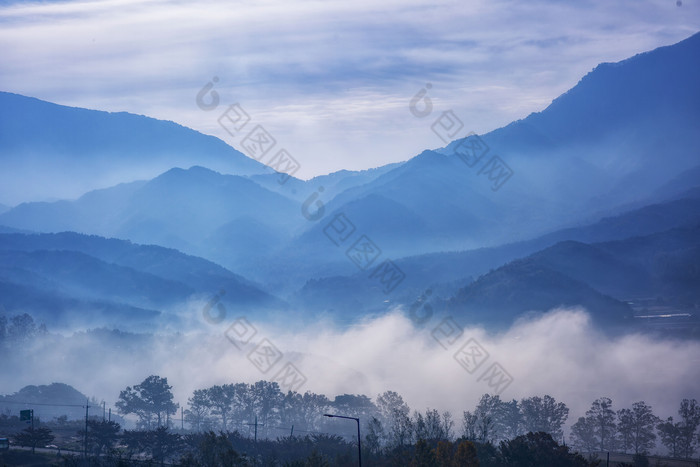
558,353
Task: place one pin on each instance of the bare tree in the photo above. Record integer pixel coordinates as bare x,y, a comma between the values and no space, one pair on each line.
447,424
469,425
401,430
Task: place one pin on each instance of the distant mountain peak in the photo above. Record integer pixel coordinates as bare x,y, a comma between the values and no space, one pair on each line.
80,150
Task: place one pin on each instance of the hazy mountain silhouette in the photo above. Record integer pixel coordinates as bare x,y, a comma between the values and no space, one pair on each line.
51,151
70,401
183,209
612,158
629,126
597,145
596,255
602,148
61,276
573,273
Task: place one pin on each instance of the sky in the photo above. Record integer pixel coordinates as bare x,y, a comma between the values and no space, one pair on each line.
331,81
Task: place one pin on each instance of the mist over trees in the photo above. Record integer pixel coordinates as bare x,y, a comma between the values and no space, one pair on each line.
235,419
389,424
19,328
232,420
258,424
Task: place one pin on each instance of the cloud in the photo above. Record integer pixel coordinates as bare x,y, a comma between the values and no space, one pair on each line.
558,353
306,67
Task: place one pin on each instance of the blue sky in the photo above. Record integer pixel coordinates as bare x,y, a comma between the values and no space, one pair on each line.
330,80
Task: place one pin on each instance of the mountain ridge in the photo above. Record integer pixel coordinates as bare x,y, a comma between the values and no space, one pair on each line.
81,149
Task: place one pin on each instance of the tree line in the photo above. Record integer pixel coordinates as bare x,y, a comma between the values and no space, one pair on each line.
635,429
388,422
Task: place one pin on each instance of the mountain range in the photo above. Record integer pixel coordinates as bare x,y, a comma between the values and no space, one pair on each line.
80,149
593,201
72,279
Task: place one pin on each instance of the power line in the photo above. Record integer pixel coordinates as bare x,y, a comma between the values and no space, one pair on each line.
42,403
281,428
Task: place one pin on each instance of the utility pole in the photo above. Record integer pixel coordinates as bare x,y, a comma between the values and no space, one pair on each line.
256,428
104,405
110,414
182,419
87,406
292,433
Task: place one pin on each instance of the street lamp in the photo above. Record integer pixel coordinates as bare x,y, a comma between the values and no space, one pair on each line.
359,444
